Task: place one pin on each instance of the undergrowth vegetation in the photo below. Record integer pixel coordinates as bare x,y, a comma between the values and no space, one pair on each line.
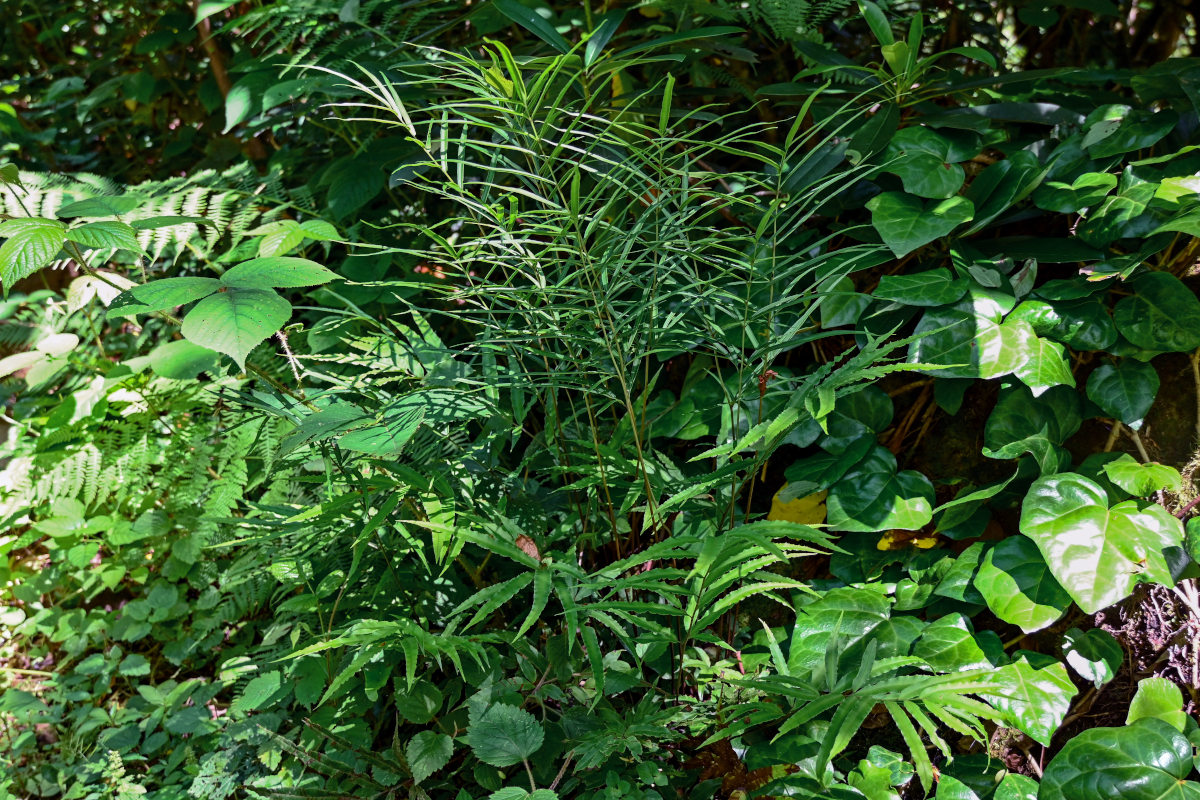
512,401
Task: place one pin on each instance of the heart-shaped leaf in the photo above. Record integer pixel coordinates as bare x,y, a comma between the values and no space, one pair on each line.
905,223
1158,698
1162,315
875,497
1141,480
1097,553
1017,585
1124,391
1147,760
1046,366
935,287
1095,655
234,321
1035,700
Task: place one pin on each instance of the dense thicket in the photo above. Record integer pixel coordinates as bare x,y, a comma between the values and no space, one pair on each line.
665,400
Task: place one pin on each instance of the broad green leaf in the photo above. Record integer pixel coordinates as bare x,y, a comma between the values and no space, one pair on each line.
873,496
504,735
1021,423
1142,480
1082,324
1046,367
234,321
388,436
1147,760
1158,698
935,287
854,613
105,234
1017,585
1124,391
1088,190
427,752
1035,701
970,344
277,272
1097,553
905,223
1095,655
182,360
919,157
1016,787
31,243
1137,131
1162,314
160,295
948,645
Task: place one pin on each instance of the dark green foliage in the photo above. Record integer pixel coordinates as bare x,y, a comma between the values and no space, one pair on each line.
527,402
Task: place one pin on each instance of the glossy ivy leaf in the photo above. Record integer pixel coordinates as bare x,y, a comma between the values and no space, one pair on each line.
1125,391
161,295
1161,315
1158,698
30,244
1018,587
905,223
919,157
935,287
1021,423
948,644
970,344
1097,553
1095,655
1130,213
1001,186
1086,191
1016,787
426,753
1046,366
1034,699
875,497
854,613
841,305
1081,324
1147,760
1141,480
235,321
277,272
504,735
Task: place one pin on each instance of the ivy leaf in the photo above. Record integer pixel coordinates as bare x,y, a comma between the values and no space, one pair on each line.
233,322
1158,698
1035,700
1088,190
1097,553
873,496
1124,391
905,223
1046,366
1142,480
1017,585
1095,655
935,287
1016,787
427,752
918,156
948,644
1162,314
32,243
1147,760
277,272
505,735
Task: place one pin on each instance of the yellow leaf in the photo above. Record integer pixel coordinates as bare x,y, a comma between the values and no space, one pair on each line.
898,540
808,510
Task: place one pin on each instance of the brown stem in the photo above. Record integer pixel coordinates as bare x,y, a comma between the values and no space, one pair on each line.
216,59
